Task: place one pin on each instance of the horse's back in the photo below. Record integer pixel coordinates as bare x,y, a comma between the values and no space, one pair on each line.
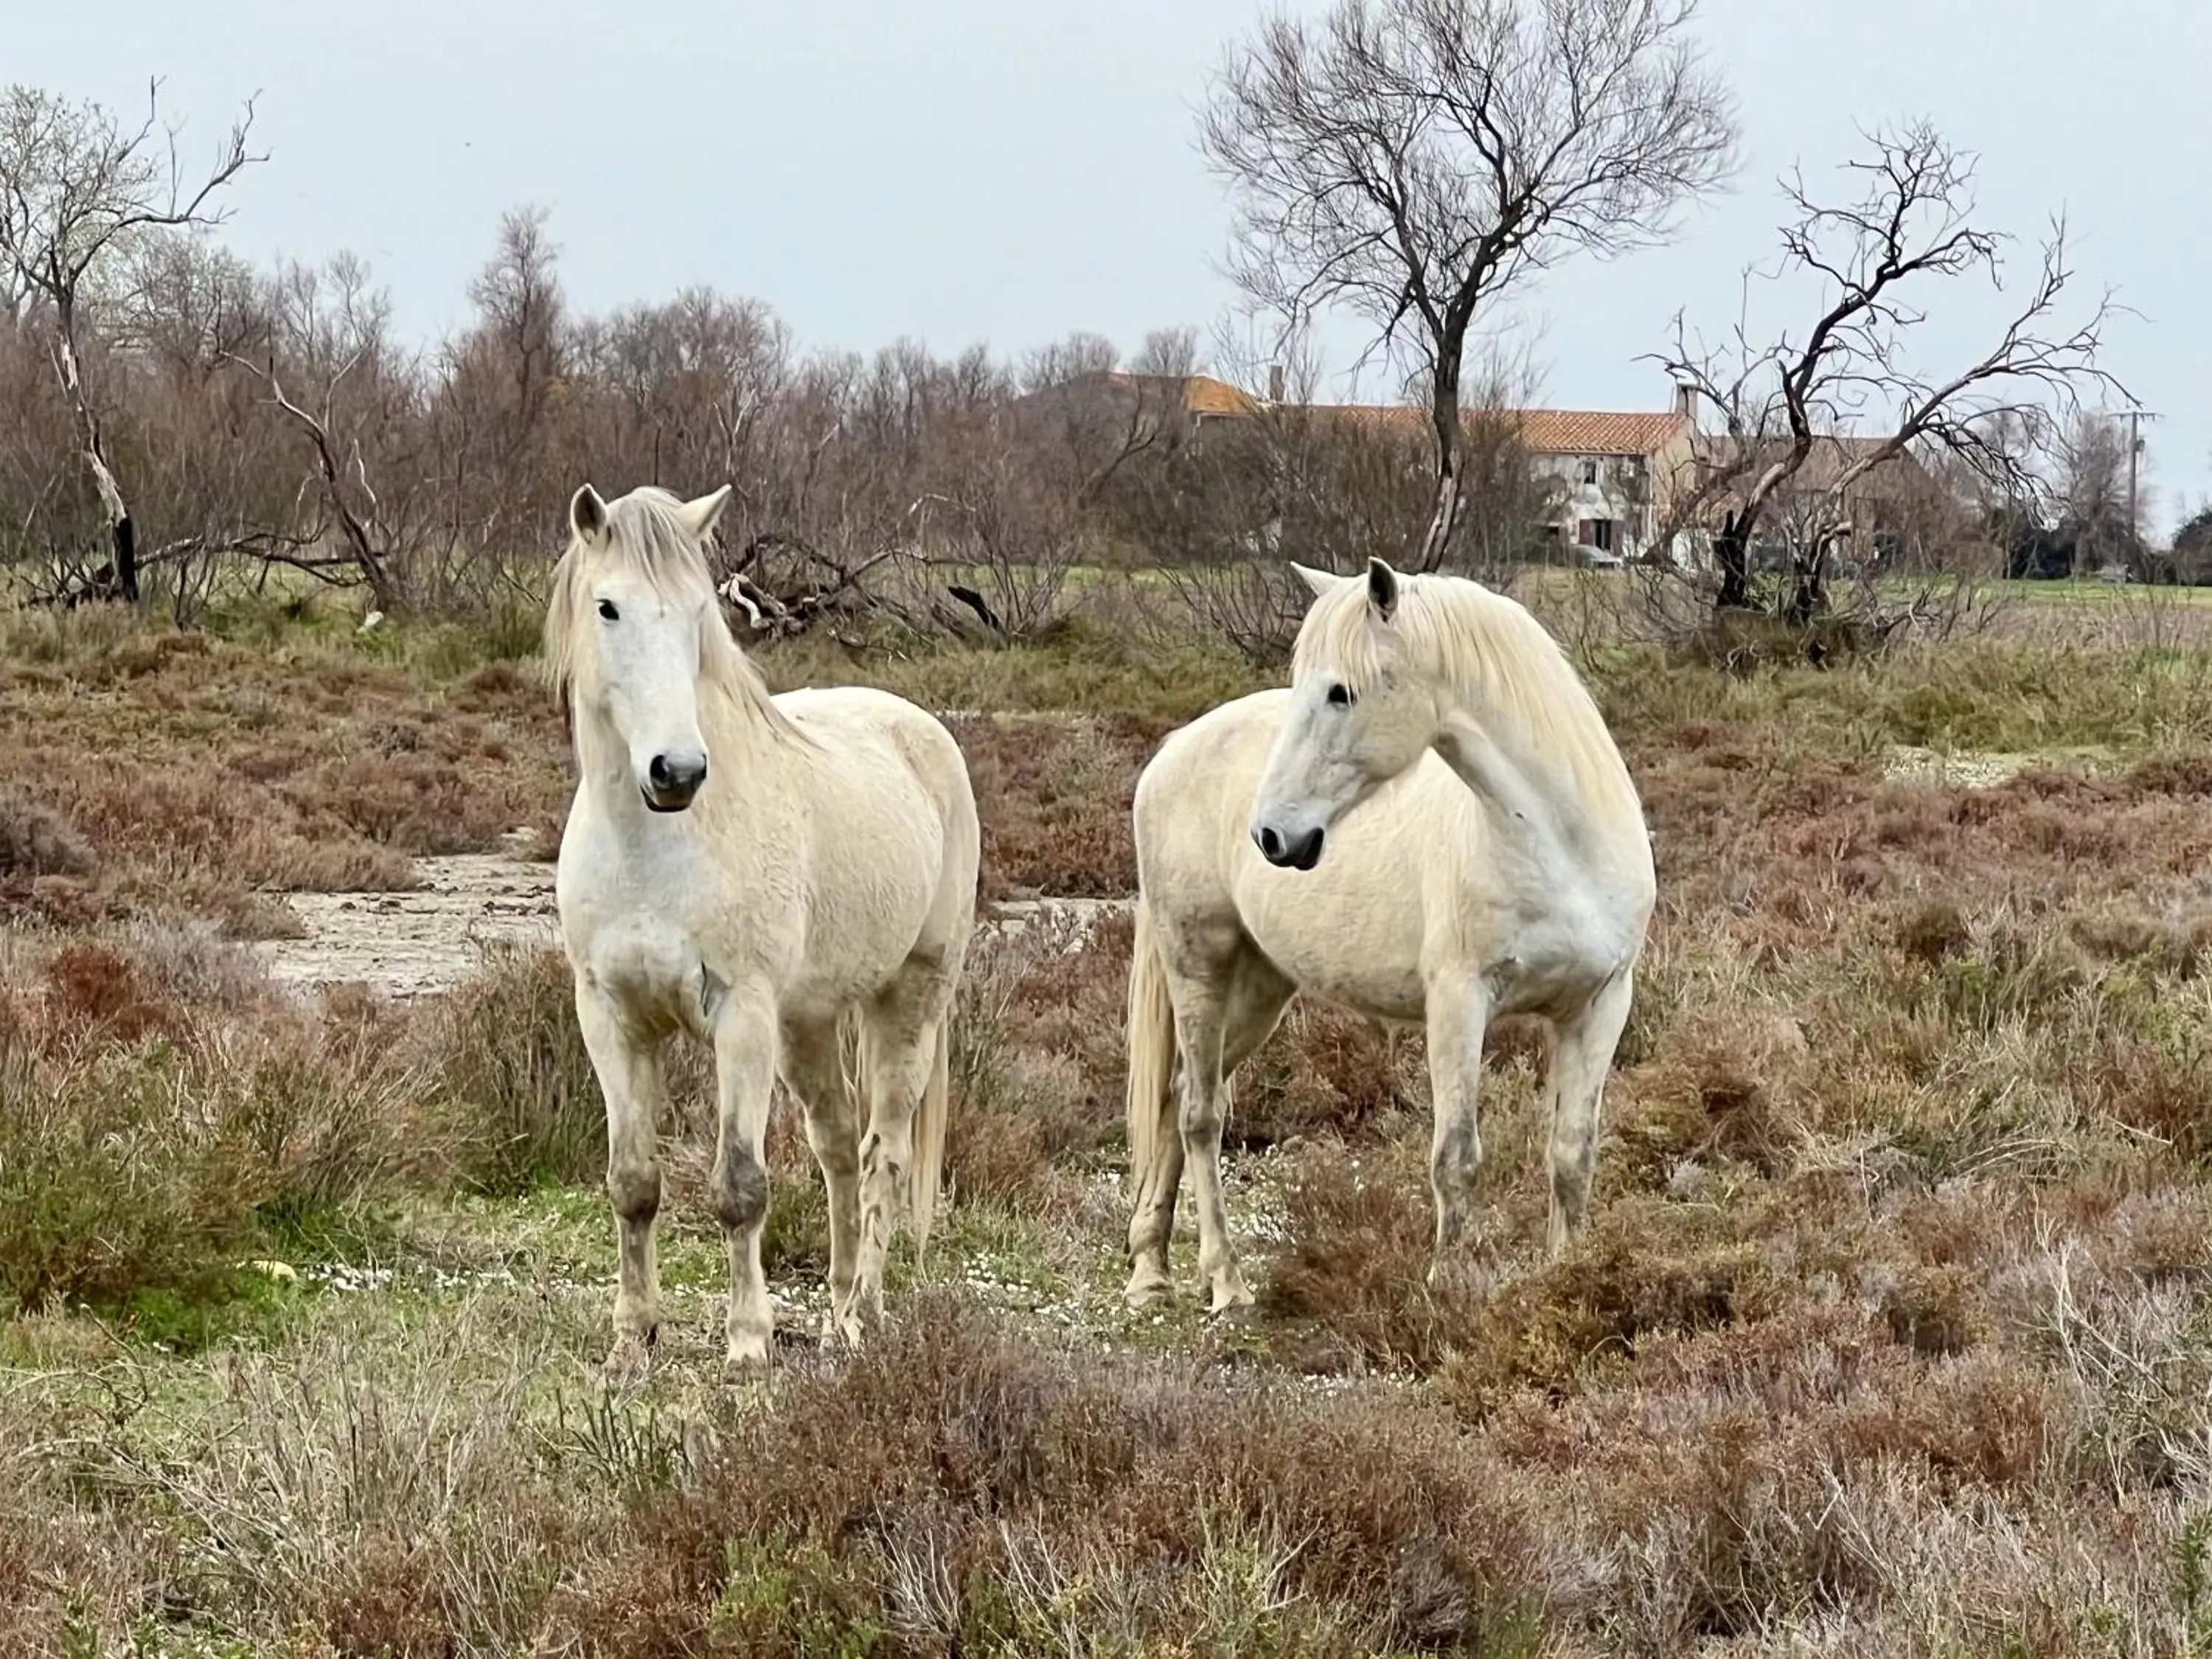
888,780
866,730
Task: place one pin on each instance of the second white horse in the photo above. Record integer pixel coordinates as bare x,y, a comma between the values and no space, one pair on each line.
1431,824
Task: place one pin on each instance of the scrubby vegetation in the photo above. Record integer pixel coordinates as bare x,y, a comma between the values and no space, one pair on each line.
1892,1332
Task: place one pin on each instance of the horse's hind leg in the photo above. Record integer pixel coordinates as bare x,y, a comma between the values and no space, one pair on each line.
628,1070
1580,1062
1220,1018
812,1068
898,1037
1257,995
745,1068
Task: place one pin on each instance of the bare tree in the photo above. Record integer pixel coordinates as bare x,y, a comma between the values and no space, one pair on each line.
1413,161
78,189
2090,482
1221,516
1782,403
369,510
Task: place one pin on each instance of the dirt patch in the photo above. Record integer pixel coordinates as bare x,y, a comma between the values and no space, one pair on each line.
413,943
426,941
1968,769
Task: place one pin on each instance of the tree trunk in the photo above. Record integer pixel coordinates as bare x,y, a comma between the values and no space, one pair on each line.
1809,594
127,558
1443,420
1732,553
1443,522
123,534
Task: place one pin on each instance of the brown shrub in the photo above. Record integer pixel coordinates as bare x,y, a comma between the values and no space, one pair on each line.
74,1579
246,771
507,1063
1350,1280
1037,1057
158,1110
1326,1071
1055,794
1712,1090
1640,1269
1934,930
35,839
921,1490
1935,1309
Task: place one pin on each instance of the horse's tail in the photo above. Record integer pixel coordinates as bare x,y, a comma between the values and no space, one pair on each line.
1151,1039
927,1169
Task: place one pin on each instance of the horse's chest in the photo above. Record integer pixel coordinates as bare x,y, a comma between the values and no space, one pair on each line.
1551,964
656,971
647,956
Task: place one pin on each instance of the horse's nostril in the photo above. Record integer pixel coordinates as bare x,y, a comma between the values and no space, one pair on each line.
1270,844
673,776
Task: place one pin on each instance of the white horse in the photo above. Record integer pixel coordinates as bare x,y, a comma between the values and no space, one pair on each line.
766,873
1430,824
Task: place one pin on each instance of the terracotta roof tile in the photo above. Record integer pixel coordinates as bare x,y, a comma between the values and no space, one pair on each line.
1596,432
1543,431
1204,395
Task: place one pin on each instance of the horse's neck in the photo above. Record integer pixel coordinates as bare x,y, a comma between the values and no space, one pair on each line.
1571,829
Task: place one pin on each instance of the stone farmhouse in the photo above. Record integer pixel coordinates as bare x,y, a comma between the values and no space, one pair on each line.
1611,476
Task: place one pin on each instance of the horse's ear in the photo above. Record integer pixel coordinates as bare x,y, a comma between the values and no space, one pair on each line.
587,517
1318,582
699,516
1381,589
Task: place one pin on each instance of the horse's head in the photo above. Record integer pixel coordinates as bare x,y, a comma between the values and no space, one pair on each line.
1357,718
633,609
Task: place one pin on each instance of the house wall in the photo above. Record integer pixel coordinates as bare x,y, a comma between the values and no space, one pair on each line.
1621,494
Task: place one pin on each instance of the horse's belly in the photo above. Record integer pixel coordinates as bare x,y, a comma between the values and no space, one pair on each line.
1353,943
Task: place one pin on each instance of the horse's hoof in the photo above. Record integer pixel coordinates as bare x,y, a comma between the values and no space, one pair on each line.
1149,1292
631,1356
1233,1306
747,1360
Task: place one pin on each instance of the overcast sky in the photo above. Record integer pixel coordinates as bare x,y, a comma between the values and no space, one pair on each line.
1007,170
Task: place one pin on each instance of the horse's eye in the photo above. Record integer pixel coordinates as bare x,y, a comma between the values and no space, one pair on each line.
1339,696
607,611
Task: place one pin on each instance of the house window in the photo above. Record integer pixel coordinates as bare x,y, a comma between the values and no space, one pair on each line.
1589,472
1595,532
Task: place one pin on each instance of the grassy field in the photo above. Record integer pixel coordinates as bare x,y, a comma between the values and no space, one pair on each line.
1892,1332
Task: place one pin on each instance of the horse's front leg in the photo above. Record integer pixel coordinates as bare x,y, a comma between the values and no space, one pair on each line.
1458,1021
627,1066
1580,1063
744,1065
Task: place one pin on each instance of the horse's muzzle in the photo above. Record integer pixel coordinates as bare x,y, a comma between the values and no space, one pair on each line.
671,784
1285,852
